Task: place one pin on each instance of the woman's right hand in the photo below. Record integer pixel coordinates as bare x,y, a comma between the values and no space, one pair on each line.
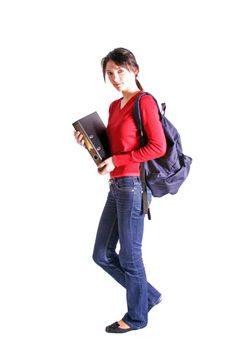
79,137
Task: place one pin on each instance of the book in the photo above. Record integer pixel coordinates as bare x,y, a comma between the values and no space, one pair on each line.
95,136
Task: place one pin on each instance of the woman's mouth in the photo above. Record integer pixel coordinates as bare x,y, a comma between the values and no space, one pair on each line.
117,85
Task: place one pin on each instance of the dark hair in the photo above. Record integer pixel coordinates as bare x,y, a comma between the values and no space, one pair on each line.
122,57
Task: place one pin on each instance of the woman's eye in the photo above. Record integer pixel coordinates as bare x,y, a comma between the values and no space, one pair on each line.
120,71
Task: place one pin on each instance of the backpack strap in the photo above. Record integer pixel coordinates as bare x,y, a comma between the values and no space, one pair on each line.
139,124
145,203
142,140
137,111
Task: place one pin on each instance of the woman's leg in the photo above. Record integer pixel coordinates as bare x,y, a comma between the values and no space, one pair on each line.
107,237
130,229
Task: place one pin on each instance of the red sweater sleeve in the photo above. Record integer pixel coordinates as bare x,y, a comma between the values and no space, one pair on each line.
156,145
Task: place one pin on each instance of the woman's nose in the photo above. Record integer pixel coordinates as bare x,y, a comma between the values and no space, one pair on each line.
116,78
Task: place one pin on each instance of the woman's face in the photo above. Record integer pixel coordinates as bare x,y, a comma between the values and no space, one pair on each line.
120,77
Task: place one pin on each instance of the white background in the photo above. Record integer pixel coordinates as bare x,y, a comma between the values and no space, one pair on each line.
52,295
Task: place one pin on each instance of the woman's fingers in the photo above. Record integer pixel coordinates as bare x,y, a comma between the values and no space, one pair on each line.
79,137
106,166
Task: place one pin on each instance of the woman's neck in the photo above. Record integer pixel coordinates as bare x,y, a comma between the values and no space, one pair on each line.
129,93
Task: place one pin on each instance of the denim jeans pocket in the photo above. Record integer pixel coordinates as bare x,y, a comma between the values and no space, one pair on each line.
126,183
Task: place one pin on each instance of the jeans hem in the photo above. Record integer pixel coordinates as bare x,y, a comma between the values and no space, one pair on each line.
131,325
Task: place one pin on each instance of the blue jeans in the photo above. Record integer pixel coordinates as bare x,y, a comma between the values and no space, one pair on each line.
122,220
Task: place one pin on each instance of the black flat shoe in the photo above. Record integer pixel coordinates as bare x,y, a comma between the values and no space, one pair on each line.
115,328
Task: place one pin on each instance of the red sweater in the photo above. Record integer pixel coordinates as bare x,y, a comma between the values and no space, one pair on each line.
124,139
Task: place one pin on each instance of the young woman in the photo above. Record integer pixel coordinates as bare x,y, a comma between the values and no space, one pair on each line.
122,219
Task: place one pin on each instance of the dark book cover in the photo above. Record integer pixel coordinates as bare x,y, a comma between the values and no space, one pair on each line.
95,136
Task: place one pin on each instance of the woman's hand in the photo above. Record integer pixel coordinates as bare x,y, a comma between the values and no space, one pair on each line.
79,137
106,166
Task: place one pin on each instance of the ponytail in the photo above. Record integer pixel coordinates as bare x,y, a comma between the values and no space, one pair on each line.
139,85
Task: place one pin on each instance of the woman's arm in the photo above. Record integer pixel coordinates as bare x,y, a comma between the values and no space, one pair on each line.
156,145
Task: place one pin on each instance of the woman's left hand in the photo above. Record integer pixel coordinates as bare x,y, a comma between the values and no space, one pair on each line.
106,166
